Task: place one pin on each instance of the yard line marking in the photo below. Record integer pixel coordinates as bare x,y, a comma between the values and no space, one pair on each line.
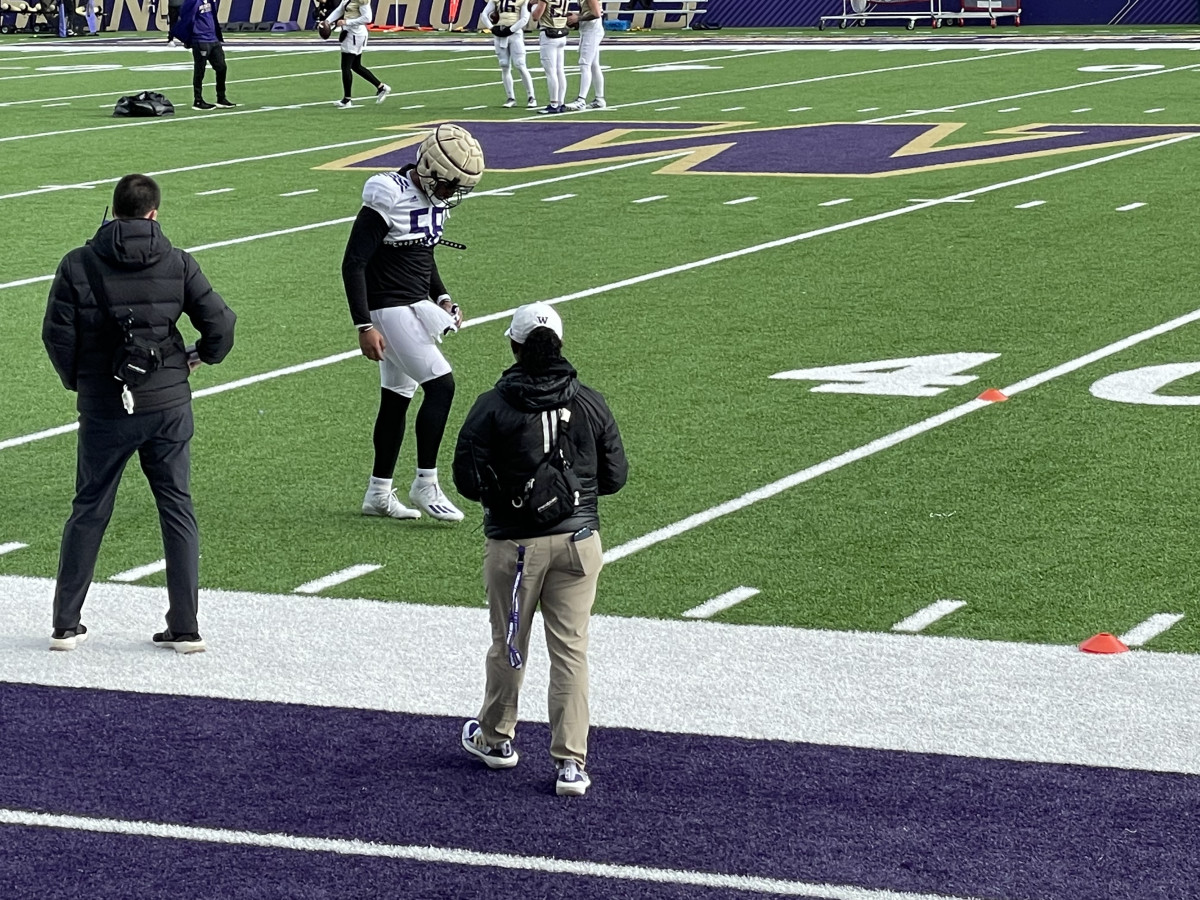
557,198
1067,87
1157,109
417,106
923,618
48,105
380,139
663,108
722,602
473,108
341,577
1030,205
1082,109
1128,206
740,200
346,219
140,572
800,109
732,108
836,202
11,546
869,109
456,857
651,199
214,191
298,193
1151,628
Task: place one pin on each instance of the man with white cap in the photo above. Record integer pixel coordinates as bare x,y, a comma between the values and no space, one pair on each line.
537,451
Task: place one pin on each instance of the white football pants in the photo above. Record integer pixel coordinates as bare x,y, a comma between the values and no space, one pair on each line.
510,51
553,53
591,33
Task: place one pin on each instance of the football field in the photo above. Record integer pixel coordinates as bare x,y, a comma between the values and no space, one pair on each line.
901,335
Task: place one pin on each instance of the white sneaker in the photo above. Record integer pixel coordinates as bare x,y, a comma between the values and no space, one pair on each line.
345,104
531,103
509,103
572,780
576,104
598,103
433,502
381,93
377,504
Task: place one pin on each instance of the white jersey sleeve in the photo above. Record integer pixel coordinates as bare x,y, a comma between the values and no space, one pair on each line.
411,218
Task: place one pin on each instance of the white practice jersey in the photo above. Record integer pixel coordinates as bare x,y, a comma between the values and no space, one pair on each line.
411,217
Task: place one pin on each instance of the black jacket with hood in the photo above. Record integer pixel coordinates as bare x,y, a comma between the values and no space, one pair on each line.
145,276
502,442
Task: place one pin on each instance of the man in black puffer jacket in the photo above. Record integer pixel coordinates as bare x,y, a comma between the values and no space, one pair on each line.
510,430
141,278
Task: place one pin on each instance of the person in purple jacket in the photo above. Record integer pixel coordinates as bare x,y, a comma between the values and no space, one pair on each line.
200,32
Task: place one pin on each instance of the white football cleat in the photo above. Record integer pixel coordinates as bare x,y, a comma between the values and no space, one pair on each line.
429,498
345,104
576,104
377,504
509,103
531,103
598,103
381,93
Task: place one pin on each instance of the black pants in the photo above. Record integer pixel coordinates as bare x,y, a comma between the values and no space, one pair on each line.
172,19
161,441
214,55
352,63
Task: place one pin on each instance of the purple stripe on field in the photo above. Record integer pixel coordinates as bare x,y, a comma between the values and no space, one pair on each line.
876,819
119,867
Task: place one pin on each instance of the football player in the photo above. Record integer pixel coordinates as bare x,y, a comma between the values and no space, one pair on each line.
390,275
590,21
510,18
551,16
353,17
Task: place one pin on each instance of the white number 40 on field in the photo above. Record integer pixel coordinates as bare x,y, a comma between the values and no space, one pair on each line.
912,376
928,376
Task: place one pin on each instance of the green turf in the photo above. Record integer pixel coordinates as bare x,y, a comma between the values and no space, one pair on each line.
1054,516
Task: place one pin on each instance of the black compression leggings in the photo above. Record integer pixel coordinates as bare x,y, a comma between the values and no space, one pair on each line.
351,63
430,426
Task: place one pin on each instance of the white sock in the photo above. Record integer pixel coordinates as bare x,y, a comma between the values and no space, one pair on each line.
427,475
379,485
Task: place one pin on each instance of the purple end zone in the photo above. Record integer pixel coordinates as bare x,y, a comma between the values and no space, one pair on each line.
873,819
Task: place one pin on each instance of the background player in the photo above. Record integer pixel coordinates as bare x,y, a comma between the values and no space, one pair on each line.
353,16
390,275
510,18
590,20
551,16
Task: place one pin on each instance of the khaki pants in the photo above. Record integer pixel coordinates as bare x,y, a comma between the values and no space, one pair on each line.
560,578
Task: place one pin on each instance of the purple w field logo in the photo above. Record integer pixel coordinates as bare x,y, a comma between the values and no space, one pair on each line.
829,150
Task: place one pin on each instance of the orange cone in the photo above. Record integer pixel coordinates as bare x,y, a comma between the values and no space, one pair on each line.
1103,643
993,396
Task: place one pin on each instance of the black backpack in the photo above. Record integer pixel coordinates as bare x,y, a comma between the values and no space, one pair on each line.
147,103
551,493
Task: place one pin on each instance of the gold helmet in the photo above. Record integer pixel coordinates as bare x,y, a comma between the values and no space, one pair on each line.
449,164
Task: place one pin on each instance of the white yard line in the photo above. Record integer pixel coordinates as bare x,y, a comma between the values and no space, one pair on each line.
923,618
224,190
140,572
298,193
10,546
837,202
557,197
1130,206
720,603
740,200
341,577
451,856
1030,205
650,199
1149,629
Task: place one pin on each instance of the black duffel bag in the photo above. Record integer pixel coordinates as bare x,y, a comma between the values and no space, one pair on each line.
147,103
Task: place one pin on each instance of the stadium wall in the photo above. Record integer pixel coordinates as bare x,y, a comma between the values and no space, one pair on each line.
139,15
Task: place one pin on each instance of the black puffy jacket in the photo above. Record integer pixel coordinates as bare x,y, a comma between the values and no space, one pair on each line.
143,274
503,432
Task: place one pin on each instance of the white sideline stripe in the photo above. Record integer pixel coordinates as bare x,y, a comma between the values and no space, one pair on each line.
347,574
557,197
923,618
740,200
11,546
720,603
213,191
140,572
1030,205
1151,628
651,199
911,693
1128,206
298,193
457,857
837,202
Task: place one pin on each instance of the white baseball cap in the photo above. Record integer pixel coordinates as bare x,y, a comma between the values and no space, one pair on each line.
531,316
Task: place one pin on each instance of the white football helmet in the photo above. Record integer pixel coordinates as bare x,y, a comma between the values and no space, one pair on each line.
449,164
